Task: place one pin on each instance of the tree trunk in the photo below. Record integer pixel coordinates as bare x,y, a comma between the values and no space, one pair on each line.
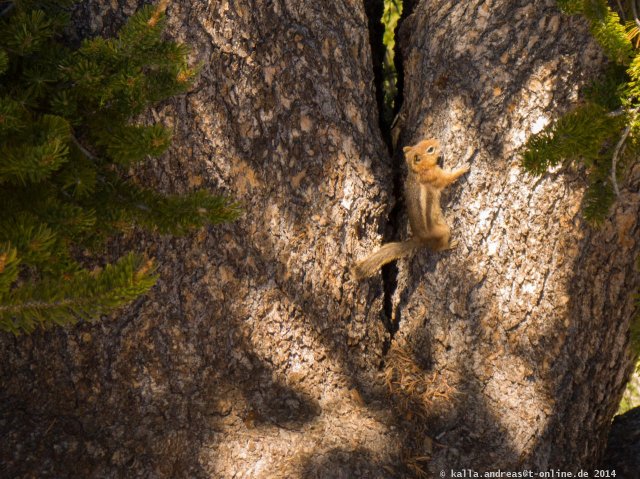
257,355
525,325
254,356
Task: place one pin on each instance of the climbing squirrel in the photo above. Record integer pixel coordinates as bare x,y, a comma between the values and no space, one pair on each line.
422,190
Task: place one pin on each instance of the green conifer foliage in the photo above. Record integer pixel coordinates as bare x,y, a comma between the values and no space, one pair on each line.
67,140
603,132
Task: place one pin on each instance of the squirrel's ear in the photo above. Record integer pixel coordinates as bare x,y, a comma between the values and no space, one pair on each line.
406,149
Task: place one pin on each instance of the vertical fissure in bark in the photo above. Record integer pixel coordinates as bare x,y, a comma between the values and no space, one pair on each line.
388,97
407,7
375,10
390,272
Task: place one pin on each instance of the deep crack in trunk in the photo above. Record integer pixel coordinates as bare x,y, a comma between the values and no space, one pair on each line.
389,100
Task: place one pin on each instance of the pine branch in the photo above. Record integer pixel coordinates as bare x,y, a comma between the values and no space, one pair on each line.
130,144
84,151
571,6
4,61
34,240
82,296
59,193
582,135
172,214
9,263
43,151
614,159
612,37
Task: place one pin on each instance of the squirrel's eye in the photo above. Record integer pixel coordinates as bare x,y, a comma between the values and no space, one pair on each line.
431,150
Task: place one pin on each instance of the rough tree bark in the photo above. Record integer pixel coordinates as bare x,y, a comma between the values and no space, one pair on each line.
256,356
527,321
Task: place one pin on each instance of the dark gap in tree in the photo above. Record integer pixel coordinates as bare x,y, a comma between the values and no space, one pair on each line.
390,20
383,16
375,10
405,9
393,13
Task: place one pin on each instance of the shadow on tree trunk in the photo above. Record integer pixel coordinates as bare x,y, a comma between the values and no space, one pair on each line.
257,356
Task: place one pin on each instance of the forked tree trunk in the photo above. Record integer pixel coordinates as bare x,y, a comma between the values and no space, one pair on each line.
257,356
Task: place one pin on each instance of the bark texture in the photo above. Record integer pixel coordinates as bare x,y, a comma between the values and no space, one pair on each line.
525,325
254,356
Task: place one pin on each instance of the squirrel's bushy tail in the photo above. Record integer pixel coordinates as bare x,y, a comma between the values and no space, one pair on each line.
389,252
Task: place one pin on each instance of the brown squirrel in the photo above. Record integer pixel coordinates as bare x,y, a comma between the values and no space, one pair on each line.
422,190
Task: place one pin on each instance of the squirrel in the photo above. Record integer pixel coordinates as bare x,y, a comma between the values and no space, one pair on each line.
422,190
